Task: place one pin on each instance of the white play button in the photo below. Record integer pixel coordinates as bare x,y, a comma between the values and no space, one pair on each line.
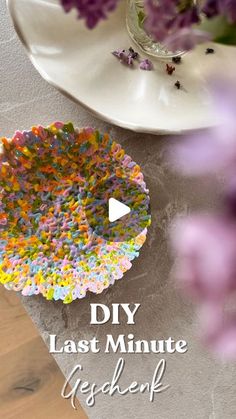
117,210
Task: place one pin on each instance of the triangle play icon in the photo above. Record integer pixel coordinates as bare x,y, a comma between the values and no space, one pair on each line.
116,210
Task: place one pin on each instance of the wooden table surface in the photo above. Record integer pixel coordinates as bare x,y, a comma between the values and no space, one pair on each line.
30,380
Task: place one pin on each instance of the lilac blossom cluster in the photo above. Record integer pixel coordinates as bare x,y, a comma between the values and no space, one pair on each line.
172,22
91,10
128,57
213,8
205,244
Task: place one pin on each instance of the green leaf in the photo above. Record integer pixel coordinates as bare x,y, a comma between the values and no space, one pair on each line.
221,30
141,18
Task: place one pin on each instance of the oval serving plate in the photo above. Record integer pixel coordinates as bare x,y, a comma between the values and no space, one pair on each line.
79,63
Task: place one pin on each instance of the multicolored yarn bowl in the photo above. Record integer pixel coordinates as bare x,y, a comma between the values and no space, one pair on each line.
47,246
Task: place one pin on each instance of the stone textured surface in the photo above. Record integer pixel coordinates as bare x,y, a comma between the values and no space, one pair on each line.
201,388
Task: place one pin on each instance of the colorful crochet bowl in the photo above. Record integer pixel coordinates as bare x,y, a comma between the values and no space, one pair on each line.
47,245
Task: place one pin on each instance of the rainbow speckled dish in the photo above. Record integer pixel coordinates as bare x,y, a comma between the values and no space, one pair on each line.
47,245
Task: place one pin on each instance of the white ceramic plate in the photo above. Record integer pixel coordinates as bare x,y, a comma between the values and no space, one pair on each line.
79,63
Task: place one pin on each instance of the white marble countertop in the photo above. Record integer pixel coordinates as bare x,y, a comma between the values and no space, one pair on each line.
200,388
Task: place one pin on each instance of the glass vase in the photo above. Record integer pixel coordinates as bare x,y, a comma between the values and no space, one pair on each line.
135,18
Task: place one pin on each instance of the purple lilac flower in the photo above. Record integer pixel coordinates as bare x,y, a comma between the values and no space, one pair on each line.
166,22
91,10
125,57
186,39
146,65
206,270
213,149
172,24
211,8
206,244
206,248
119,53
229,8
215,7
218,329
159,16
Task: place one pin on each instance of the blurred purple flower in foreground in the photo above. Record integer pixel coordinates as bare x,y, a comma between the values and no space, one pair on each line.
218,329
205,244
91,10
213,149
207,268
